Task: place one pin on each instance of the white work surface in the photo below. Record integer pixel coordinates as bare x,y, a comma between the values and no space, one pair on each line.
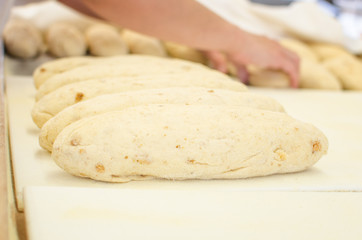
85,213
337,114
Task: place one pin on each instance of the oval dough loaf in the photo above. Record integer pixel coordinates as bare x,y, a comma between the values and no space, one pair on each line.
118,69
187,142
119,101
180,51
142,44
105,40
314,75
22,39
327,51
348,70
65,40
51,104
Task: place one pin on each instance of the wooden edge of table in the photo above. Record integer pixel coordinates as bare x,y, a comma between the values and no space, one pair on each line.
10,218
4,198
12,222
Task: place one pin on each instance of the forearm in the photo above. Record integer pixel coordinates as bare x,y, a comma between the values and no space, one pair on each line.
190,23
185,21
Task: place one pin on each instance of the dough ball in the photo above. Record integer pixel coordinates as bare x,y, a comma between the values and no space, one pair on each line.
65,40
300,48
22,39
347,69
267,78
105,40
142,44
315,75
176,50
327,51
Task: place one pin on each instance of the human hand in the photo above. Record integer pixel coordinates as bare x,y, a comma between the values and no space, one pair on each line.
219,61
265,53
258,51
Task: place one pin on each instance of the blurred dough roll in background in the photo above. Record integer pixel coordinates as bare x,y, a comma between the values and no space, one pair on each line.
22,39
105,40
64,40
141,44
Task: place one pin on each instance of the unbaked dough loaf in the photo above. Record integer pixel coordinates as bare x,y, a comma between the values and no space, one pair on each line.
117,69
105,40
65,40
187,142
119,101
49,69
267,78
327,51
142,44
301,49
314,75
71,94
180,51
22,39
347,69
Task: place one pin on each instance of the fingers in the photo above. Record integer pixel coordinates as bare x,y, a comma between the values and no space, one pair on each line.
291,67
242,72
266,53
217,60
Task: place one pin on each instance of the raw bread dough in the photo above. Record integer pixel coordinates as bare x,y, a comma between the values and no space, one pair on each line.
120,101
180,51
49,69
267,78
312,75
65,40
347,69
22,39
187,142
315,75
105,40
300,48
139,67
70,94
327,51
142,44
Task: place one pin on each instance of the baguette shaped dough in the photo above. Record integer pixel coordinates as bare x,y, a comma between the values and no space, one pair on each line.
314,75
187,142
70,94
65,40
348,70
105,40
116,69
22,39
49,69
120,101
142,44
